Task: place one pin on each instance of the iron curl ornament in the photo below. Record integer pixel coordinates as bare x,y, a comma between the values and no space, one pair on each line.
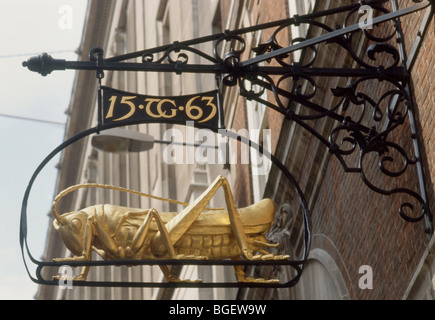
290,78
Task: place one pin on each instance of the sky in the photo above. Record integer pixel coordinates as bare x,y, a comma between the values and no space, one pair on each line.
32,114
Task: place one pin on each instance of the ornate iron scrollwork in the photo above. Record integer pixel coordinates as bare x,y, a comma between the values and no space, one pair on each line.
367,120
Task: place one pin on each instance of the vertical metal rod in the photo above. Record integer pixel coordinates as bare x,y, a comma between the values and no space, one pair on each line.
100,76
99,105
221,120
413,123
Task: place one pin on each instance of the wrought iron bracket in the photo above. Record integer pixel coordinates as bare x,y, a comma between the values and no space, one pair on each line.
365,123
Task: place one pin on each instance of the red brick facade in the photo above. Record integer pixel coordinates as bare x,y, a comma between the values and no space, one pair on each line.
351,222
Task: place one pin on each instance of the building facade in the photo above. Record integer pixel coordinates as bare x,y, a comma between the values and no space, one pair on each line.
360,246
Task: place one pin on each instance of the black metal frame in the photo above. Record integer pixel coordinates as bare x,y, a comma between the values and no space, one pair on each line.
371,131
297,265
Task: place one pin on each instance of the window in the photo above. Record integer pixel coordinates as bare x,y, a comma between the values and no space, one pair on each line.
300,8
321,279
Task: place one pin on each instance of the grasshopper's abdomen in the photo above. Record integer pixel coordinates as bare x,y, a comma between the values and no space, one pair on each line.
212,234
222,246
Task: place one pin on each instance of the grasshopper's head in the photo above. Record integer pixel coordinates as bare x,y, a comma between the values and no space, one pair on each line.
71,228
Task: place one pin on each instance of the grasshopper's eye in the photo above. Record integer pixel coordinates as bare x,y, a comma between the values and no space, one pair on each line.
76,225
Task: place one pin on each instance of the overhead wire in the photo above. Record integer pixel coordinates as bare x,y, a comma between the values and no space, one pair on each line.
8,56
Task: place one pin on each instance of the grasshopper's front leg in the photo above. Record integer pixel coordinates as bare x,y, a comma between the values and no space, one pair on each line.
86,254
81,277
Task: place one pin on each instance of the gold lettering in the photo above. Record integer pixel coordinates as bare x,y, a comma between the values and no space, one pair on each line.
190,108
148,107
112,107
163,113
125,100
161,109
210,104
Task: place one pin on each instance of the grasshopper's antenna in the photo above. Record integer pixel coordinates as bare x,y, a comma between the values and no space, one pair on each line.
56,214
63,193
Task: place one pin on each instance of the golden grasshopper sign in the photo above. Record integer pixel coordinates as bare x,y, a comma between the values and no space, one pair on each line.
143,236
195,233
119,106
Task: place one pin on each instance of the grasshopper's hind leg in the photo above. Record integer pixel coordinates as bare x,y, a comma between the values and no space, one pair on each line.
139,239
181,223
240,276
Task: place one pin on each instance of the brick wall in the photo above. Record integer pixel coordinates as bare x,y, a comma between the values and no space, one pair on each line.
424,88
365,226
361,226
